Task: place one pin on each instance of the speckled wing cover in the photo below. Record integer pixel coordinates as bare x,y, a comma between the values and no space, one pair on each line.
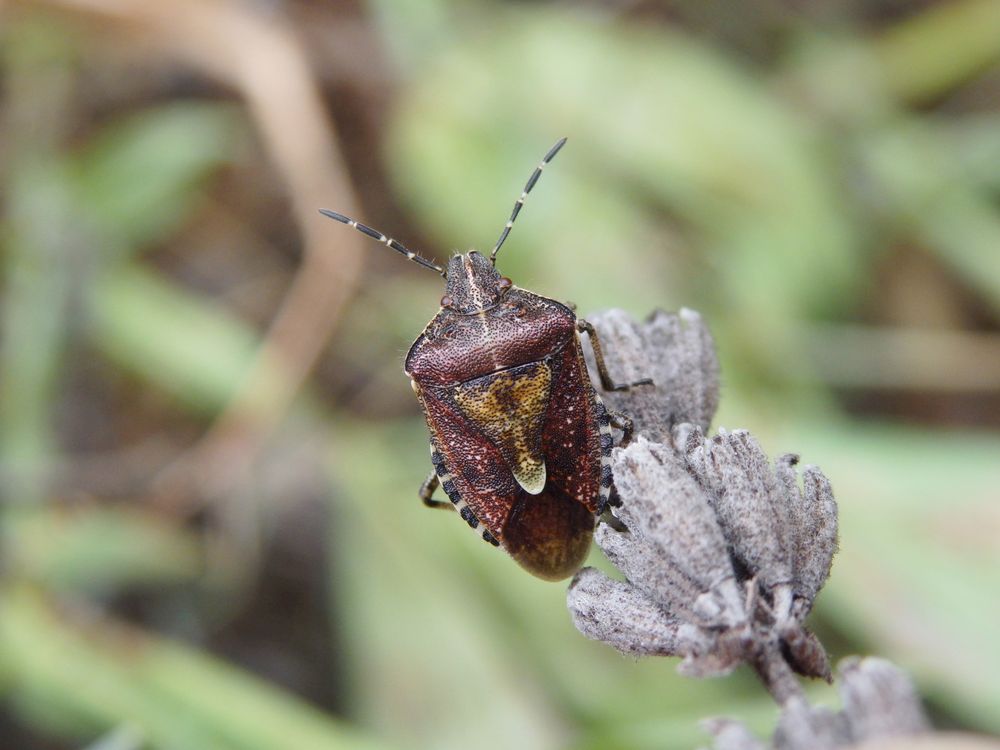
525,453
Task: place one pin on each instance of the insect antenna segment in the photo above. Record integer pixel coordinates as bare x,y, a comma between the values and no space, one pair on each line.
524,194
387,241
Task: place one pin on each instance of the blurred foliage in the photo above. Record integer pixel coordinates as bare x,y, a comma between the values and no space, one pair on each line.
822,186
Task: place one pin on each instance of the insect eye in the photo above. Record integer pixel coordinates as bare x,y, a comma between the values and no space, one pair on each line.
447,301
505,283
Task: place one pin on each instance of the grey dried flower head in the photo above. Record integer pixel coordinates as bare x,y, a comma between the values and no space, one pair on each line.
878,702
710,549
722,553
879,699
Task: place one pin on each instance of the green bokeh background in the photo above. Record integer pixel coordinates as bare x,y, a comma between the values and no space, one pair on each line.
820,181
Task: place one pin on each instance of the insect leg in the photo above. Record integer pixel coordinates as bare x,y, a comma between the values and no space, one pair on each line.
427,492
602,369
624,423
611,519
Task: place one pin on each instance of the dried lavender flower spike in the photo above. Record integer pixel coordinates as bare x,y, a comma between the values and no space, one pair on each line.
644,568
818,543
623,617
665,508
731,735
716,539
723,553
804,727
879,700
748,502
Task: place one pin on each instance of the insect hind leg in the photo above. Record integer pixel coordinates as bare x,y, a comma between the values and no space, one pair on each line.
624,423
427,492
608,517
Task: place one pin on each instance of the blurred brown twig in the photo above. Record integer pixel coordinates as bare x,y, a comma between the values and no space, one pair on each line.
263,60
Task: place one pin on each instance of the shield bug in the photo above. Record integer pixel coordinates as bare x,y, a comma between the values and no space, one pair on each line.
520,440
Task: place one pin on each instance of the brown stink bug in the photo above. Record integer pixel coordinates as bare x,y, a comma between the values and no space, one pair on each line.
520,440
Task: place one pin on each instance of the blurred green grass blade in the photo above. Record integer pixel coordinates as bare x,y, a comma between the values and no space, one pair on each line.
920,182
97,550
125,737
245,711
70,682
928,54
918,556
141,174
171,338
915,359
974,142
693,171
40,263
85,678
412,31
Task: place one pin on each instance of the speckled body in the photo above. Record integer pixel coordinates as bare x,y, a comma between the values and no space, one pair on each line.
520,440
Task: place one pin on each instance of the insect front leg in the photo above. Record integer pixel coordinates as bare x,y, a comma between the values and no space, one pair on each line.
427,492
602,369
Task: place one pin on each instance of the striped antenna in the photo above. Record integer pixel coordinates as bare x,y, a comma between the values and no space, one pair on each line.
524,194
387,241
